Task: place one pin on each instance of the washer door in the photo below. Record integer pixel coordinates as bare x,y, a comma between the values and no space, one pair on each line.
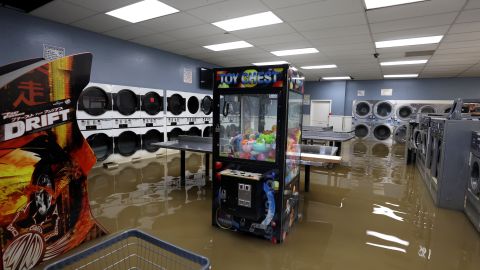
383,109
475,177
101,144
173,135
361,131
417,139
152,136
207,105
404,112
126,102
176,104
400,134
94,101
427,109
382,132
193,105
208,132
127,143
152,103
362,109
194,131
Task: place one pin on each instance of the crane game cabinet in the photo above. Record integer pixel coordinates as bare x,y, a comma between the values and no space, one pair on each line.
256,149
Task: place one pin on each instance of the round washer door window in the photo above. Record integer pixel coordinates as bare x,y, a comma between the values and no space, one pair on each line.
383,109
152,103
400,135
152,136
362,109
404,112
173,135
127,143
207,132
176,104
194,131
361,131
207,105
193,105
101,145
126,102
94,101
382,132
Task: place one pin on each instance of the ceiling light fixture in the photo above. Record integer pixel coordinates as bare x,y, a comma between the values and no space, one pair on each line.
141,11
337,78
319,67
229,46
371,4
270,63
406,62
295,51
400,76
408,42
250,21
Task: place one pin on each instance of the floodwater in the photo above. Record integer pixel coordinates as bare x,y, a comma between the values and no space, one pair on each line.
371,212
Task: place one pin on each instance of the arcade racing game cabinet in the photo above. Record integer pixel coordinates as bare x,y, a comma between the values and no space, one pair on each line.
256,149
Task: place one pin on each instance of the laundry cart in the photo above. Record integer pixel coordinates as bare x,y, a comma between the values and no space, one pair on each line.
133,249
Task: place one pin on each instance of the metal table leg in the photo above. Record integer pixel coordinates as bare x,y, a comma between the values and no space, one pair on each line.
307,178
207,166
182,168
338,144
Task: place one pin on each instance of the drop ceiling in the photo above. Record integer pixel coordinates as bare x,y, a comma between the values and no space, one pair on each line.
342,30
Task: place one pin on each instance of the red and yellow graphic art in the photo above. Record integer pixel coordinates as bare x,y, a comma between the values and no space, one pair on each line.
44,162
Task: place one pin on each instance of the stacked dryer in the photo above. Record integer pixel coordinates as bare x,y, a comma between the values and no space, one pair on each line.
188,114
94,118
373,119
472,202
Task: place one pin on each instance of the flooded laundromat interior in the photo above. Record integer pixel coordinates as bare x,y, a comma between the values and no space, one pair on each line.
372,211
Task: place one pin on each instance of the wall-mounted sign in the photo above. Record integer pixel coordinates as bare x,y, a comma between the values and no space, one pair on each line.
250,78
360,93
386,92
51,52
306,99
187,75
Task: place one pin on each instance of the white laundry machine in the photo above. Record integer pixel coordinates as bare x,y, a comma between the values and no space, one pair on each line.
101,142
472,202
384,109
127,144
362,109
95,102
126,106
193,102
363,129
382,131
404,112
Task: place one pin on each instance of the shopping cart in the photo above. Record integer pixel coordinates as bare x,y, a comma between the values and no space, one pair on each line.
133,249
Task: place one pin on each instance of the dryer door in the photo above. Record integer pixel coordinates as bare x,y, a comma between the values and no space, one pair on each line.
126,102
127,143
101,144
95,101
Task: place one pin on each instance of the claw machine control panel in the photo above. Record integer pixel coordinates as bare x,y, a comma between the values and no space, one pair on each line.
256,149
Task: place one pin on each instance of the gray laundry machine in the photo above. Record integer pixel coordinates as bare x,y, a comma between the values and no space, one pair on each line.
448,166
472,201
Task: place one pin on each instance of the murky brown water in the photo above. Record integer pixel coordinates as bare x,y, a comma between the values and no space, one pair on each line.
372,212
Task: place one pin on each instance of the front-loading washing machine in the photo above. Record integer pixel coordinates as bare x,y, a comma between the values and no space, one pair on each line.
404,111
174,131
472,202
95,102
207,131
101,142
363,129
381,131
400,133
127,144
362,109
384,109
126,105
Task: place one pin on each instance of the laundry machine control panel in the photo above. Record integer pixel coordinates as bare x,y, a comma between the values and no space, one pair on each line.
128,123
476,143
94,124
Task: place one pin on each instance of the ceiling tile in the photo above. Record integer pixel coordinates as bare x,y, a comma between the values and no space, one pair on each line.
228,10
265,31
100,23
465,27
405,49
214,39
101,5
319,9
62,12
171,22
291,37
414,10
333,41
174,45
153,39
275,4
336,32
129,32
414,23
469,16
411,33
194,31
286,46
461,37
330,22
472,4
402,69
189,4
474,50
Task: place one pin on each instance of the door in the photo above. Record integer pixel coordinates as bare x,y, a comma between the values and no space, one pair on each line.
319,112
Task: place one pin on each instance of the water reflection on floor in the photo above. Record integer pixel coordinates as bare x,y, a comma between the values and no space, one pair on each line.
371,212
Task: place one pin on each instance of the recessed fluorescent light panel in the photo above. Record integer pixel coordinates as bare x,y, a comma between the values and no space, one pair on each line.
401,76
337,78
141,11
319,67
250,21
229,46
408,62
371,4
295,51
270,63
408,42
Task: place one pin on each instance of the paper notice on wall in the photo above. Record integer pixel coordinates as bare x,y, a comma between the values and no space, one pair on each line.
306,99
360,93
51,52
187,75
386,92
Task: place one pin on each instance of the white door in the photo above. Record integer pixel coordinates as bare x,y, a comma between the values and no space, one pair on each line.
319,112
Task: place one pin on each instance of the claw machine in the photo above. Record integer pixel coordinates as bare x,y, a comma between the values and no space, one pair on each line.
256,149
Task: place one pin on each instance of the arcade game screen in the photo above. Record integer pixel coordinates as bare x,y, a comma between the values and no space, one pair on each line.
248,126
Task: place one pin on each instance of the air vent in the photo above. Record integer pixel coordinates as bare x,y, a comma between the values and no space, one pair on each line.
25,6
419,53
